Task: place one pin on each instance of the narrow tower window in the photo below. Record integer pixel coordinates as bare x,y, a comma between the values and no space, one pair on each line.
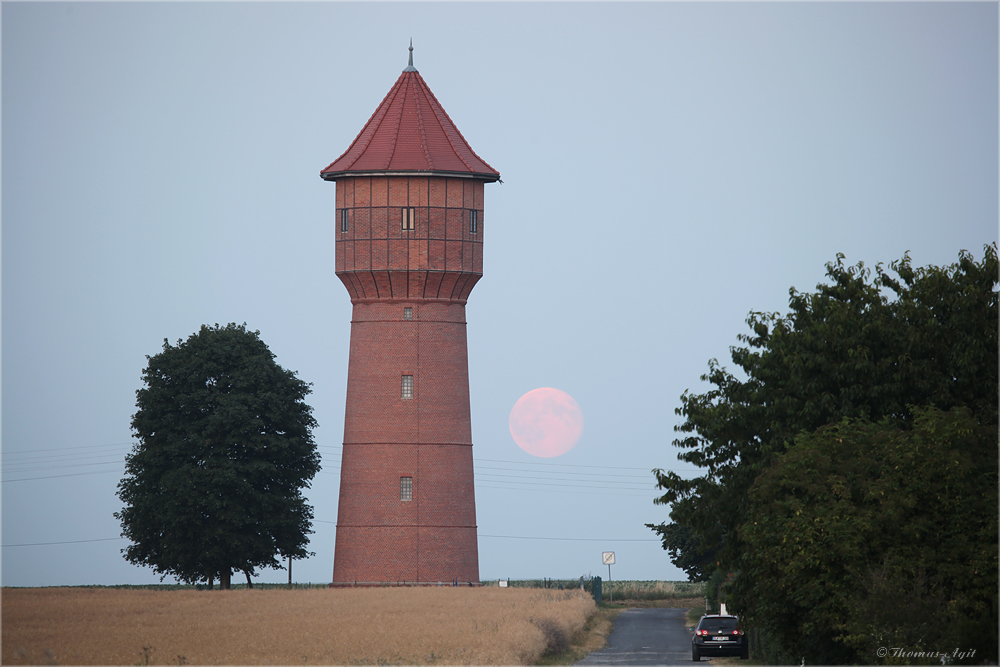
473,221
343,220
407,387
406,488
407,313
408,219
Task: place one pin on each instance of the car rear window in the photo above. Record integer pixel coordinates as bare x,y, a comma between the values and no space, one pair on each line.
717,624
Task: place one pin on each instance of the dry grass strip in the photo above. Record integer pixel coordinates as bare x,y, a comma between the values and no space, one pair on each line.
592,637
653,590
670,603
487,626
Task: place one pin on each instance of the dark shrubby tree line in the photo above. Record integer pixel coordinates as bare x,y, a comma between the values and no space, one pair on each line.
225,446
849,498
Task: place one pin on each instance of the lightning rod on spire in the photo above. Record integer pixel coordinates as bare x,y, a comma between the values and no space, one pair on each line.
410,67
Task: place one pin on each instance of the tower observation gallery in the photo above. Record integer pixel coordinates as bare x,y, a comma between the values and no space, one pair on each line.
409,226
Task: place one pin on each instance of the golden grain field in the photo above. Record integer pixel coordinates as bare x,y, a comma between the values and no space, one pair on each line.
447,625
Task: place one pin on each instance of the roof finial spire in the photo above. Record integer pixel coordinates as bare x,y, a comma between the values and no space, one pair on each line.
410,67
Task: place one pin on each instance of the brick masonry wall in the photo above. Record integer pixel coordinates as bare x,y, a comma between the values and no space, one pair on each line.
441,258
432,269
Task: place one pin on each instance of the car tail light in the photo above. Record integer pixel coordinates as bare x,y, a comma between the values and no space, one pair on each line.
737,632
701,632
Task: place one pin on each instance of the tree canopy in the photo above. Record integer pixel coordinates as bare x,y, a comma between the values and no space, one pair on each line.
876,349
225,447
875,536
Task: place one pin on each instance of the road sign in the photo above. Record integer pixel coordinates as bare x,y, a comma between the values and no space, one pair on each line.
609,560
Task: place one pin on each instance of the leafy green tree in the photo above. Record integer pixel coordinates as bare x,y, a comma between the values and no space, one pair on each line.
863,346
686,550
868,536
225,446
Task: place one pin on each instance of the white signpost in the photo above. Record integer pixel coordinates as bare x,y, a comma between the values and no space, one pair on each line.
609,559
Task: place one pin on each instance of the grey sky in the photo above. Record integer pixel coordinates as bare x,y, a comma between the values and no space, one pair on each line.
667,168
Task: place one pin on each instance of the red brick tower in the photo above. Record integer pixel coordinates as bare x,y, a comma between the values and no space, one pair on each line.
409,250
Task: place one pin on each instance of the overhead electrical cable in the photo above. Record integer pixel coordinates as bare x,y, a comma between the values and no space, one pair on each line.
565,465
570,539
74,474
579,493
43,544
570,479
61,465
568,472
63,449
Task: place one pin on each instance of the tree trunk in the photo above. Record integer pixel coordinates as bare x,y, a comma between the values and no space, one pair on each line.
224,578
211,582
249,583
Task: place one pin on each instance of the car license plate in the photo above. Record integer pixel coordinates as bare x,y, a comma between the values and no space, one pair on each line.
719,639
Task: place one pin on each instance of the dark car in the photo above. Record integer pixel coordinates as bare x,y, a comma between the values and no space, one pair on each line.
718,635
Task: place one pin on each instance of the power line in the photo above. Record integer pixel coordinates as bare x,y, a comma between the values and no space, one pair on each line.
506,537
35,454
63,449
564,465
35,460
61,465
542,474
40,544
590,482
559,539
568,539
568,486
6,454
74,474
592,489
577,493
567,472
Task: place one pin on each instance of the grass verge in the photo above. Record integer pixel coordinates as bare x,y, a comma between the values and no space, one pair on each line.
592,637
694,615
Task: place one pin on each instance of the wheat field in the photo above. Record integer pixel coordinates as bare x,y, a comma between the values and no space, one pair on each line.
446,625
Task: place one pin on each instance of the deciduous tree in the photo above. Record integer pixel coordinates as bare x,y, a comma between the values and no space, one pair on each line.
865,346
686,550
225,447
869,535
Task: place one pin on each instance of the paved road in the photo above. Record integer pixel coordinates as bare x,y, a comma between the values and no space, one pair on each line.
646,637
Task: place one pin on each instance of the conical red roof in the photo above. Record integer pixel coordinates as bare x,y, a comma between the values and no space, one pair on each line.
410,133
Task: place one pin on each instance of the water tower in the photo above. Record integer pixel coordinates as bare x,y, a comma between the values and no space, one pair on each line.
409,250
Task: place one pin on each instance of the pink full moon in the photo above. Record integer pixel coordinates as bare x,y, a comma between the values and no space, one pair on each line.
546,422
